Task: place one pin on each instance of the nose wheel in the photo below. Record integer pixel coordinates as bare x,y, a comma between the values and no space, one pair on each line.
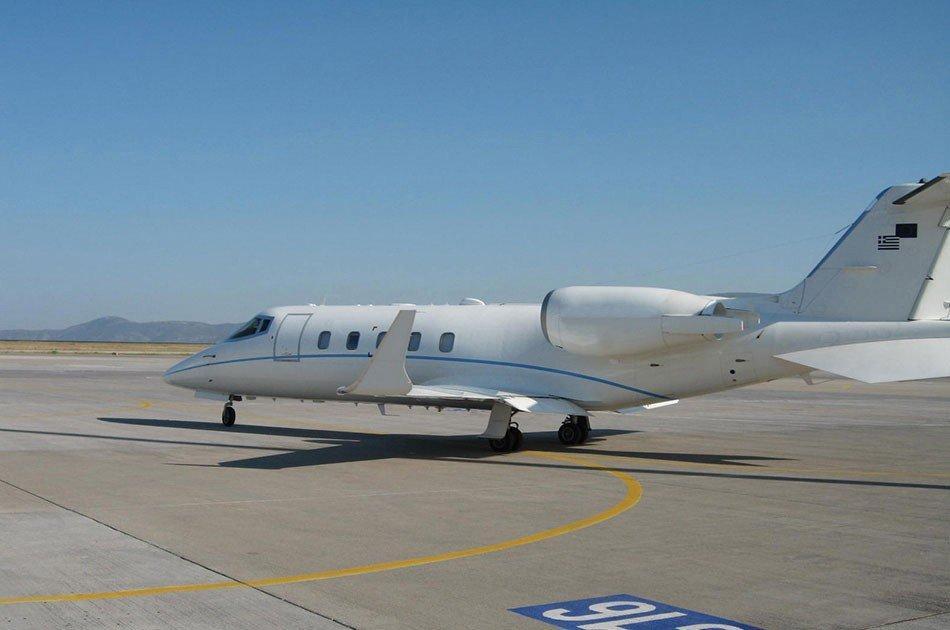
228,416
574,430
510,443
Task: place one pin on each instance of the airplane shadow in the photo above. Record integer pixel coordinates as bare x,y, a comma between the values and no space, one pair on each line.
337,447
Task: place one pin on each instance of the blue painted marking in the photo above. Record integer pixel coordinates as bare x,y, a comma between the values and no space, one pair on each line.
615,612
523,366
540,368
267,358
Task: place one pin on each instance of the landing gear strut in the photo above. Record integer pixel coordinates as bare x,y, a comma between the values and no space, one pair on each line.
511,442
574,430
228,416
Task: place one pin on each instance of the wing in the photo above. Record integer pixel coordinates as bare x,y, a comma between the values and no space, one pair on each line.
521,402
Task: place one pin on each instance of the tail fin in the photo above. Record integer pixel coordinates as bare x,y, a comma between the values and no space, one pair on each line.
893,263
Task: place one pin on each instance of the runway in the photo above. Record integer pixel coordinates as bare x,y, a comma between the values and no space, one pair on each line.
124,502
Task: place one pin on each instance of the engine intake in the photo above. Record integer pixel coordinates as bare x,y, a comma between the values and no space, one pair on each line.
625,321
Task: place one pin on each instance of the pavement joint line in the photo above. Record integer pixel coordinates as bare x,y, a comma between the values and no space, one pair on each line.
631,497
758,468
255,414
364,495
128,438
168,551
894,623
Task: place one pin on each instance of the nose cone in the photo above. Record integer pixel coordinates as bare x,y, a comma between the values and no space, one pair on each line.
182,373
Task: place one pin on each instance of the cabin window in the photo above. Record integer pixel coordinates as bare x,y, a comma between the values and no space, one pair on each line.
323,341
446,342
415,340
352,340
379,338
253,327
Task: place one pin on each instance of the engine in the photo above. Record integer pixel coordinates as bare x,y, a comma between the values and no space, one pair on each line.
625,321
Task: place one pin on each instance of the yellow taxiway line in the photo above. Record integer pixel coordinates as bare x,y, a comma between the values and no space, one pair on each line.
631,497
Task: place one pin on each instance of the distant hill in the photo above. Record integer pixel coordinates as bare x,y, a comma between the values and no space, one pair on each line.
119,329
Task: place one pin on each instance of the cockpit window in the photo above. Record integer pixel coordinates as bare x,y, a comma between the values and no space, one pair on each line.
253,327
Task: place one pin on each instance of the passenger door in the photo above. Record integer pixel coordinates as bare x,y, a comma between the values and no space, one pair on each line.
287,342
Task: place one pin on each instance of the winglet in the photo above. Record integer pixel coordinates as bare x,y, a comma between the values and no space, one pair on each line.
386,373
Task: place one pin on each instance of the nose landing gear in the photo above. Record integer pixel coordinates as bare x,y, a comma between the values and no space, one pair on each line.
574,430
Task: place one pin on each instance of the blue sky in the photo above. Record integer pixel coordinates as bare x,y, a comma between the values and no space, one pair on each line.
204,160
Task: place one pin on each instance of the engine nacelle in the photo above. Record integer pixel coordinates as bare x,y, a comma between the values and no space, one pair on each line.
625,321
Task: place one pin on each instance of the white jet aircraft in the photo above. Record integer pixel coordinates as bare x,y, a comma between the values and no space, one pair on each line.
876,308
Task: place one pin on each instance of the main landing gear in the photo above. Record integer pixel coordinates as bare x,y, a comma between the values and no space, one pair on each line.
504,436
574,430
511,442
228,416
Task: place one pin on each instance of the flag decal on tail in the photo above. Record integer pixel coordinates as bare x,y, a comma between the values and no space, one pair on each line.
893,241
888,242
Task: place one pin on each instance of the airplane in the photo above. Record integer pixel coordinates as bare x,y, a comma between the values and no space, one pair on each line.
876,308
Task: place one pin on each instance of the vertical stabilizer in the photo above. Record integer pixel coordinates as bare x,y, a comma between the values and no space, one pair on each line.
892,264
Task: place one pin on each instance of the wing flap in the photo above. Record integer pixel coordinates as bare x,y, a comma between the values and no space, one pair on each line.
520,402
880,361
544,405
629,411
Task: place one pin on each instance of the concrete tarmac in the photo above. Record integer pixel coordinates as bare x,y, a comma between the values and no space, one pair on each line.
125,503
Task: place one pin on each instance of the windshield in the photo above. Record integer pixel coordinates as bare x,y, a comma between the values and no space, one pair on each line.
256,326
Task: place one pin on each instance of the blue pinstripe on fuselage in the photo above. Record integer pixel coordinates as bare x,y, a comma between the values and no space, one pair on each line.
508,364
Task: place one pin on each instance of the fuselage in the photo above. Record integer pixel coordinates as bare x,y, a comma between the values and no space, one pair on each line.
875,308
499,347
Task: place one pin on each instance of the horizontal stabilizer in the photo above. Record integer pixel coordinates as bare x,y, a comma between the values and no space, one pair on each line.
934,192
880,361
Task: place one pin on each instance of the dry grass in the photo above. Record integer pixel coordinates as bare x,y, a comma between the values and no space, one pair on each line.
99,347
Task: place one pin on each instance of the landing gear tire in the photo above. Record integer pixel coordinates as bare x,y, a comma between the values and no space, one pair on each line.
519,437
510,443
228,416
574,431
583,423
569,433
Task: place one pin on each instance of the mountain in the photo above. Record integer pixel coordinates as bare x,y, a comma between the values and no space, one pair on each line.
119,329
